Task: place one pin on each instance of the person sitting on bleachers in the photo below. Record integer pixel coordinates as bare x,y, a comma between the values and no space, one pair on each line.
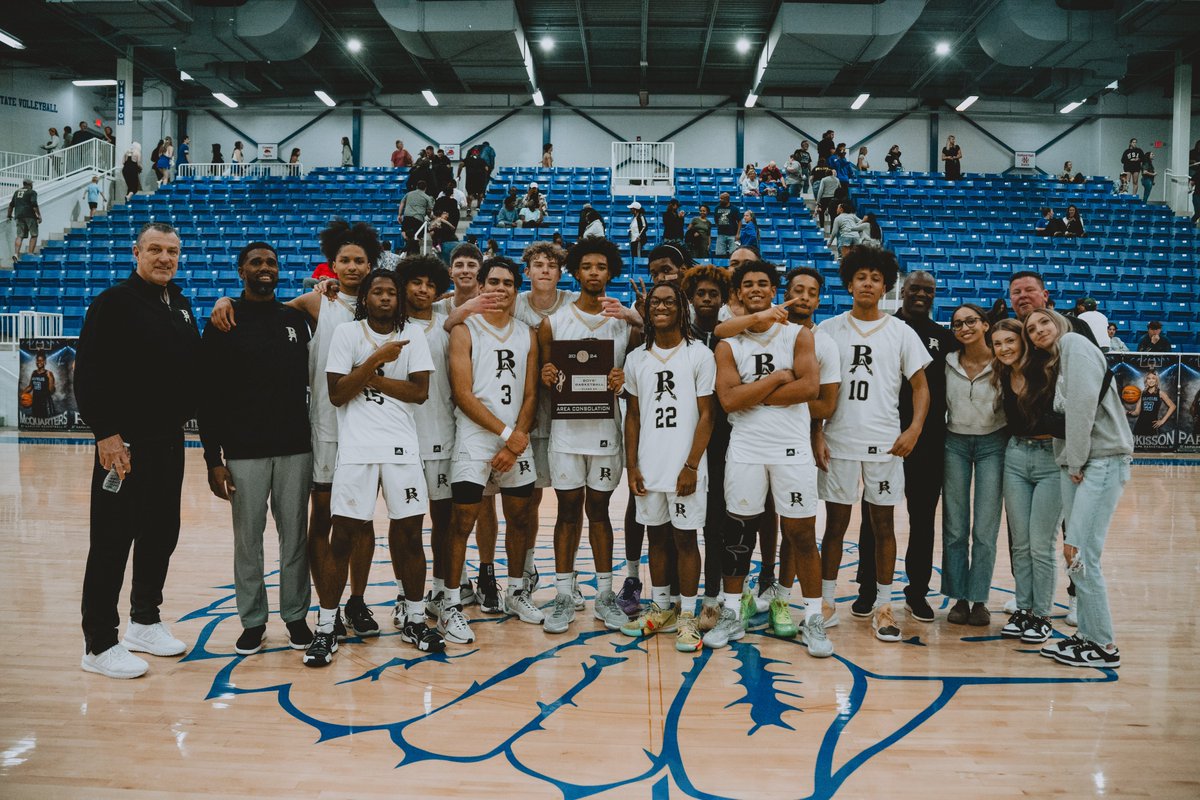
770,180
1049,225
534,195
1154,341
493,249
873,236
532,213
1072,223
748,182
508,216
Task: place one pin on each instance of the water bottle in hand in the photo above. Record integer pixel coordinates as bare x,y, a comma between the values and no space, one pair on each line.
113,481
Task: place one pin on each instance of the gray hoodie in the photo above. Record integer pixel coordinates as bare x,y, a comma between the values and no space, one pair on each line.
1094,430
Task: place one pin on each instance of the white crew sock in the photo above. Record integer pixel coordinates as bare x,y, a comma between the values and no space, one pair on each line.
439,586
414,610
514,585
631,569
883,594
733,602
687,604
812,608
784,593
829,591
661,595
712,601
453,598
564,582
325,618
529,567
604,582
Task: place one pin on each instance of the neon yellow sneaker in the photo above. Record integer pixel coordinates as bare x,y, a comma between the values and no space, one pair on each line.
749,608
653,620
781,621
687,634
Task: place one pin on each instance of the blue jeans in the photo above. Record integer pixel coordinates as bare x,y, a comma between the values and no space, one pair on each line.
1089,507
969,551
725,245
1147,187
1033,502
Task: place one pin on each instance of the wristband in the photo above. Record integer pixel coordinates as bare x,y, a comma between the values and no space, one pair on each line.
506,433
689,466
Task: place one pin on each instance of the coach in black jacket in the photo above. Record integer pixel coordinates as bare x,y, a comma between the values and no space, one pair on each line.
136,380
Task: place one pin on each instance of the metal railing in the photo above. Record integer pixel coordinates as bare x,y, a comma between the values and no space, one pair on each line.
94,155
8,159
20,325
259,169
643,163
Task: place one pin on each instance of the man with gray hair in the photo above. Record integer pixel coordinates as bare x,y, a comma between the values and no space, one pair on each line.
25,205
137,378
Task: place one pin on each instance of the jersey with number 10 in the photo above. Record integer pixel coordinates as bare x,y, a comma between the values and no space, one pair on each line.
766,434
875,356
499,363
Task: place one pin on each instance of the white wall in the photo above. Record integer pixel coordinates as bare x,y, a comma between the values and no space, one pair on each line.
25,129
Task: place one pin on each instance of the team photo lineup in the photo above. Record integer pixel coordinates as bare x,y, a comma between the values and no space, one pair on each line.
719,398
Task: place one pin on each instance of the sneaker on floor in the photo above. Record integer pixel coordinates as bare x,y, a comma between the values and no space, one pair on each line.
154,639
423,637
812,633
728,628
115,662
630,596
1016,625
467,596
710,615
764,595
919,609
883,622
780,619
300,636
1089,654
561,615
1057,646
979,617
489,595
576,595
398,613
1072,612
863,606
959,613
531,580
339,627
453,625
605,609
1037,630
251,640
749,607
434,605
320,651
361,620
687,634
1010,606
521,606
830,613
651,621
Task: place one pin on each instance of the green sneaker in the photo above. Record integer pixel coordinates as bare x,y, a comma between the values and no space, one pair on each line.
781,621
749,608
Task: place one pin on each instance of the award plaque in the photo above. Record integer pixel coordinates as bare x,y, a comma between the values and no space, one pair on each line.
582,389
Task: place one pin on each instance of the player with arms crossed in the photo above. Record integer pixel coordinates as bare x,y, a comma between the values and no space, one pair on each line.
493,377
667,426
863,437
766,375
378,370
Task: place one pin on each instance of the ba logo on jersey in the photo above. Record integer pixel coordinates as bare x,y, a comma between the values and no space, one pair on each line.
861,358
665,384
764,364
506,362
291,334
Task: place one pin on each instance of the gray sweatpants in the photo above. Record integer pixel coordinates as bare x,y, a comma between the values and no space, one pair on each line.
286,481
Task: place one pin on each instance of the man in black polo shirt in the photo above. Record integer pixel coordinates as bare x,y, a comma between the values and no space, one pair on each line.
254,407
136,383
923,467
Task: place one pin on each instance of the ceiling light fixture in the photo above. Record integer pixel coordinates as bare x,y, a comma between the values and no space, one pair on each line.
224,98
12,41
538,100
1069,107
1112,85
96,82
183,76
429,98
354,45
859,102
967,103
942,48
743,45
547,44
324,98
751,99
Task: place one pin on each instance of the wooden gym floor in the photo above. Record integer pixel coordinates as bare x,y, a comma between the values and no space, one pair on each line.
950,712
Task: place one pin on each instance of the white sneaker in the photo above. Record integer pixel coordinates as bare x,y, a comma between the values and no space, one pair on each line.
453,627
520,606
1011,606
154,639
115,662
1072,613
576,595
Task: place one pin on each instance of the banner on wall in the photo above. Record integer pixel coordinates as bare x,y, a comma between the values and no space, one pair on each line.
46,387
451,151
268,151
1189,403
1024,159
1148,385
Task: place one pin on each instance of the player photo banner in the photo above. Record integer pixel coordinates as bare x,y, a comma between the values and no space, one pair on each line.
582,389
46,388
1189,403
1148,385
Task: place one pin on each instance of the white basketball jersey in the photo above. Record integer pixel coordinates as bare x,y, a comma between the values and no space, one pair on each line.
525,312
667,384
499,363
768,434
321,413
874,357
374,428
444,306
828,359
435,417
589,437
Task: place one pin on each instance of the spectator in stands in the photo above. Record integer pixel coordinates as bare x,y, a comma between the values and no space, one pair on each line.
1154,341
1115,345
294,158
532,213
872,236
1072,222
1131,164
952,156
109,136
770,180
840,164
1148,176
68,139
638,228
583,220
1095,320
488,154
534,193
53,143
794,175
132,175
217,156
1122,183
672,221
818,174
892,159
1066,175
825,147
806,161
443,170
748,233
748,182
94,195
847,229
24,205
238,158
507,216
826,195
83,134
422,172
414,209
595,224
347,152
185,152
862,164
400,156
699,234
557,240
323,272
548,155
447,203
477,179
387,257
729,224
441,231
162,162
1049,225
493,249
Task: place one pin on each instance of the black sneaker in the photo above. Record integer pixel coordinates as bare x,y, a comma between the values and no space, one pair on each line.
1037,630
398,612
300,636
339,627
863,605
1088,654
1016,625
425,638
320,651
919,609
361,620
489,594
251,640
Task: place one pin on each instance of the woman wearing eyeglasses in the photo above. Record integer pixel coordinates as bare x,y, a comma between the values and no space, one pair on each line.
975,442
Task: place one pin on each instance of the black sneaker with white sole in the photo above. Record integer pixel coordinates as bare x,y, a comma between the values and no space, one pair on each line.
320,652
423,637
919,609
361,620
1059,645
1089,654
300,636
251,640
489,594
863,605
339,627
1037,630
1016,625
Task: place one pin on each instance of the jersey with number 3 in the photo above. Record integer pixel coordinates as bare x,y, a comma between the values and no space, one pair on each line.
375,428
765,434
875,356
499,363
667,384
